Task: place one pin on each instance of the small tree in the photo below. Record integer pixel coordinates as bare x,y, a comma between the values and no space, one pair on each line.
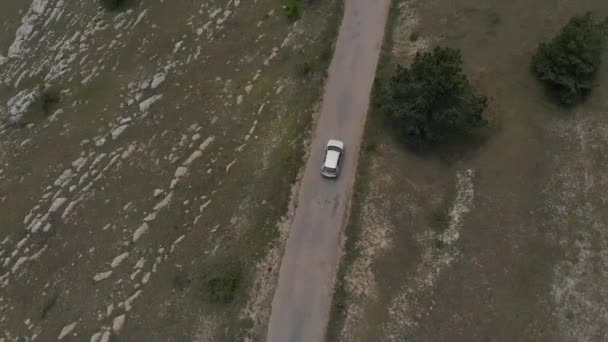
432,100
567,65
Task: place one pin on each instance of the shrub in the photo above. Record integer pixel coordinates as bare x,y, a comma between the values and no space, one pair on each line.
432,100
223,287
49,99
292,8
113,5
567,65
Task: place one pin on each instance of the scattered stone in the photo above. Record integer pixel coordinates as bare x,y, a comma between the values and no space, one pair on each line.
150,217
57,203
164,202
195,155
101,276
119,259
140,231
229,166
206,143
105,337
118,131
181,171
158,192
118,322
146,277
157,80
95,337
109,310
145,105
130,300
66,330
140,263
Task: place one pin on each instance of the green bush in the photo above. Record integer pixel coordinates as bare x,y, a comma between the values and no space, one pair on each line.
292,8
567,65
432,100
113,5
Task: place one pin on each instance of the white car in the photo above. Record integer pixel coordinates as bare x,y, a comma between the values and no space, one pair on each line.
332,163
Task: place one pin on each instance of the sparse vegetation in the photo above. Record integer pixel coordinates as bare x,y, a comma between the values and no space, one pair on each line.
414,36
432,100
567,65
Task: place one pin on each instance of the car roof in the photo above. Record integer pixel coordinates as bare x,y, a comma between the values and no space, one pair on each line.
331,159
335,143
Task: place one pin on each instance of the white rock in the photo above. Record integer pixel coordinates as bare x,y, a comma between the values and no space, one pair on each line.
140,231
57,203
118,322
158,192
119,259
130,300
125,121
181,171
140,263
109,309
145,105
194,156
18,264
105,337
103,275
248,88
150,217
67,330
146,277
239,99
63,177
158,79
95,337
206,143
118,131
164,202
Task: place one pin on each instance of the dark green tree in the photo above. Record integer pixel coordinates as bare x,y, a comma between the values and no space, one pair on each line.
567,65
432,100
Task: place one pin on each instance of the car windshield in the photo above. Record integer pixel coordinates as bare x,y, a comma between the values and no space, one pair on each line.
334,148
329,169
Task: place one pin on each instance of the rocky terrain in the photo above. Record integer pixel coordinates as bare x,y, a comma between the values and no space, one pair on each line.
147,157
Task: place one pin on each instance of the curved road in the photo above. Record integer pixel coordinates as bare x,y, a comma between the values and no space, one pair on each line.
302,301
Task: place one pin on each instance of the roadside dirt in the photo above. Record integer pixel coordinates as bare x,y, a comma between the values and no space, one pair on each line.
521,255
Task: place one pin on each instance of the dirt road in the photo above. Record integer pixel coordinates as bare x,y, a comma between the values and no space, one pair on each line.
302,301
